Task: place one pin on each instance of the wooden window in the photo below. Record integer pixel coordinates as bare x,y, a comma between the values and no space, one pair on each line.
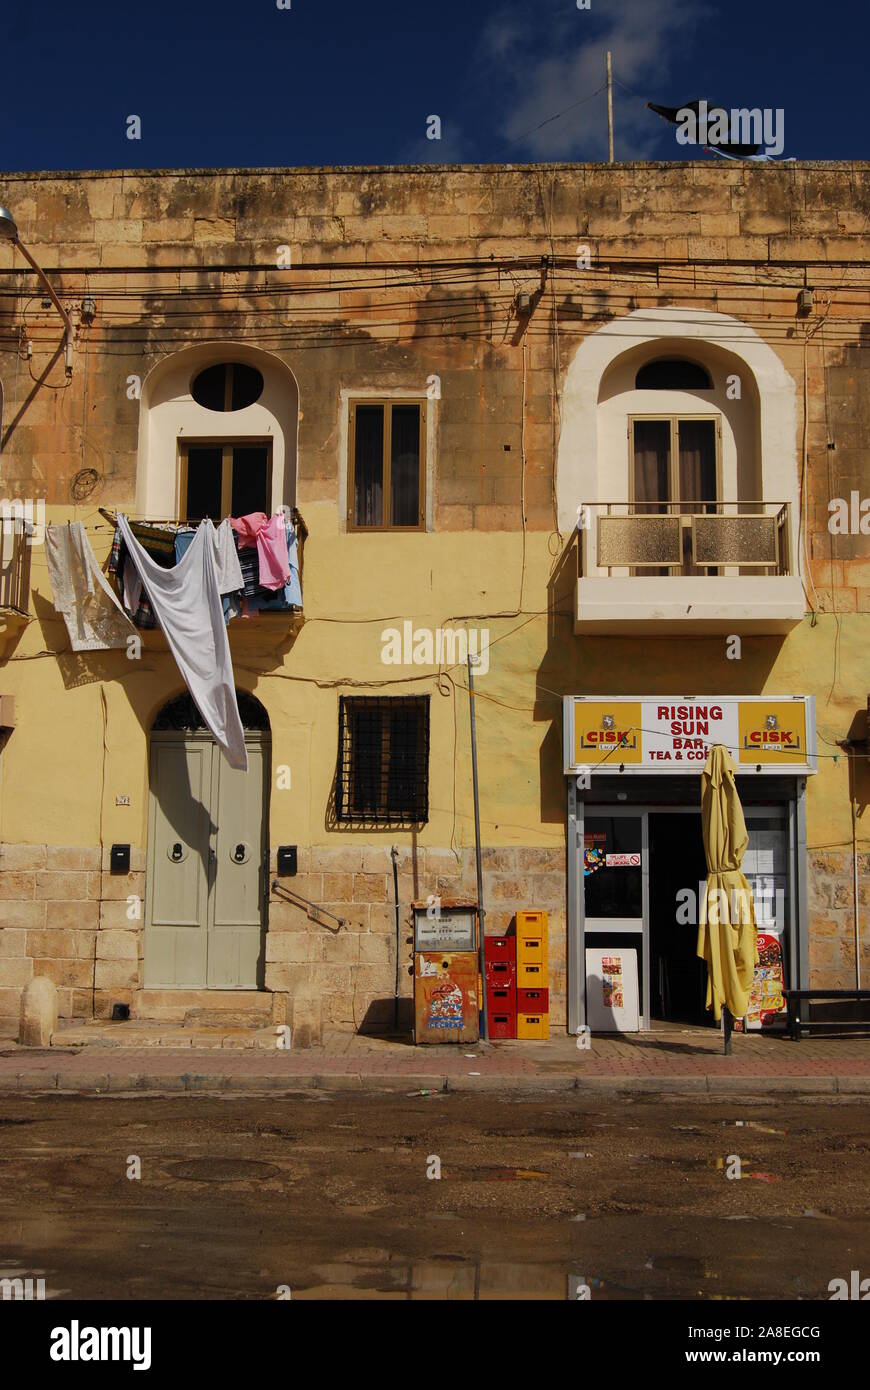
219,480
383,764
675,468
387,466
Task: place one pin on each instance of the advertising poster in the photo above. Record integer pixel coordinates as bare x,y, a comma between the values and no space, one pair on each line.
612,1001
767,1007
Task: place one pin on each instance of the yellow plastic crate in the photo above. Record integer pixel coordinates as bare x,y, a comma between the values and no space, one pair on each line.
531,924
533,1025
531,975
532,948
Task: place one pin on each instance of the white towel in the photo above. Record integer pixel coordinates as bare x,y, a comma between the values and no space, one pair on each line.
226,556
187,605
93,616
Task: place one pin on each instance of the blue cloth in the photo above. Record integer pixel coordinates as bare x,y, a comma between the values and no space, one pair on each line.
183,539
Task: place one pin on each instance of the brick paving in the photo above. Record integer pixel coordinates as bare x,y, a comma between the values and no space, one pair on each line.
691,1061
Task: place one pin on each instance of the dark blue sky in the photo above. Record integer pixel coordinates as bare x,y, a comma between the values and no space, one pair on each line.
240,82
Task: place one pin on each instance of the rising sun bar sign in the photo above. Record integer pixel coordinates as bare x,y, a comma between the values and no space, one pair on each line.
665,733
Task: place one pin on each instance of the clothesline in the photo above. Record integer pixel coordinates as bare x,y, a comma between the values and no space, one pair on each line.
188,581
112,519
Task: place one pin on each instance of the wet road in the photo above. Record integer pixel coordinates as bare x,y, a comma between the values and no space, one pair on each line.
327,1195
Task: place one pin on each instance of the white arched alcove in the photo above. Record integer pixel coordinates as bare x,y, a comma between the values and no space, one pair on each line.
168,414
759,464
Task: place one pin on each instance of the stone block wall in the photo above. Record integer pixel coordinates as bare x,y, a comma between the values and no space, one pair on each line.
354,965
830,896
64,915
740,240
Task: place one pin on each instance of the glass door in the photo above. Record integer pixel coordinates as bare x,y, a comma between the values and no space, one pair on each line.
766,867
614,939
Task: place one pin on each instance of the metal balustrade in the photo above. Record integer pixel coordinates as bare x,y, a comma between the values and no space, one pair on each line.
15,546
686,537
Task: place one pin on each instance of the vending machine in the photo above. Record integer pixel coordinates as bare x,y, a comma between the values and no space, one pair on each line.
445,971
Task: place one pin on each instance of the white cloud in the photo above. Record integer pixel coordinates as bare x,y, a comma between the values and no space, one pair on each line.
552,63
452,148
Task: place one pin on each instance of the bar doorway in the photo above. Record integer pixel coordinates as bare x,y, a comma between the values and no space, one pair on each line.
678,870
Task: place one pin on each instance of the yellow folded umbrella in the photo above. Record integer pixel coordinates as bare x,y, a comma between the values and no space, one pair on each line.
727,934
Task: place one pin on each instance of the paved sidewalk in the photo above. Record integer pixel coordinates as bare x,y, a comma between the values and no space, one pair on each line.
674,1061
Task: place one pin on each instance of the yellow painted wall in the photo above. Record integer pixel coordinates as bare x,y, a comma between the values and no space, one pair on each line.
59,785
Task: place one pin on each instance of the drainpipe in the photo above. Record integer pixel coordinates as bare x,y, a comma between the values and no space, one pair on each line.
481,960
394,855
851,745
855,891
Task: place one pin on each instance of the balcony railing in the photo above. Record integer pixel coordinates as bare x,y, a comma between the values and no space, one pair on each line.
16,539
158,530
685,538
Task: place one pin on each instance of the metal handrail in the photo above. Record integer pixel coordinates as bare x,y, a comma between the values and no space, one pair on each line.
300,898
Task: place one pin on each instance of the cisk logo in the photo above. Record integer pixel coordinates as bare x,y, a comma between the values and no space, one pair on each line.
772,736
609,735
856,1289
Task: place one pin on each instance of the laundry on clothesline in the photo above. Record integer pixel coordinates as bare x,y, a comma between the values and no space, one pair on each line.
92,614
239,543
186,602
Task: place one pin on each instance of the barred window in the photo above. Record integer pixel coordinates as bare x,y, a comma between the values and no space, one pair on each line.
383,773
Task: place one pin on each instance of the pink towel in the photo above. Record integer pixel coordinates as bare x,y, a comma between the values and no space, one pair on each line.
270,538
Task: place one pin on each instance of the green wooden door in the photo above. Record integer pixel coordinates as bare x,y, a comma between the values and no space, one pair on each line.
205,889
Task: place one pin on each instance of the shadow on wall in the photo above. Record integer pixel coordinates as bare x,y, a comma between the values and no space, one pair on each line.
380,1019
859,760
262,636
627,667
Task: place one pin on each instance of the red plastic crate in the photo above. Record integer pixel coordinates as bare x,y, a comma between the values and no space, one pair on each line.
501,1001
533,1001
502,1025
501,974
499,948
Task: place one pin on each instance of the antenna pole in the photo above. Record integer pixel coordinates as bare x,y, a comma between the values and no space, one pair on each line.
610,106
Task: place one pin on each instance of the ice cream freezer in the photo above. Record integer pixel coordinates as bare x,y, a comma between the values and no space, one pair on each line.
445,972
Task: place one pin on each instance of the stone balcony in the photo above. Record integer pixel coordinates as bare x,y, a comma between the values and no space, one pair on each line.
699,568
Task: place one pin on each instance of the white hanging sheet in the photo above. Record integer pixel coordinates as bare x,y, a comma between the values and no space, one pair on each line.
187,604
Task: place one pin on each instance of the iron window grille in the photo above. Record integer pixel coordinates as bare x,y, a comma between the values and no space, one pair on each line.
383,768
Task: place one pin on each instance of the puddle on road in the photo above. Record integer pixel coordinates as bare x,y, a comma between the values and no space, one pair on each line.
222,1170
452,1279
